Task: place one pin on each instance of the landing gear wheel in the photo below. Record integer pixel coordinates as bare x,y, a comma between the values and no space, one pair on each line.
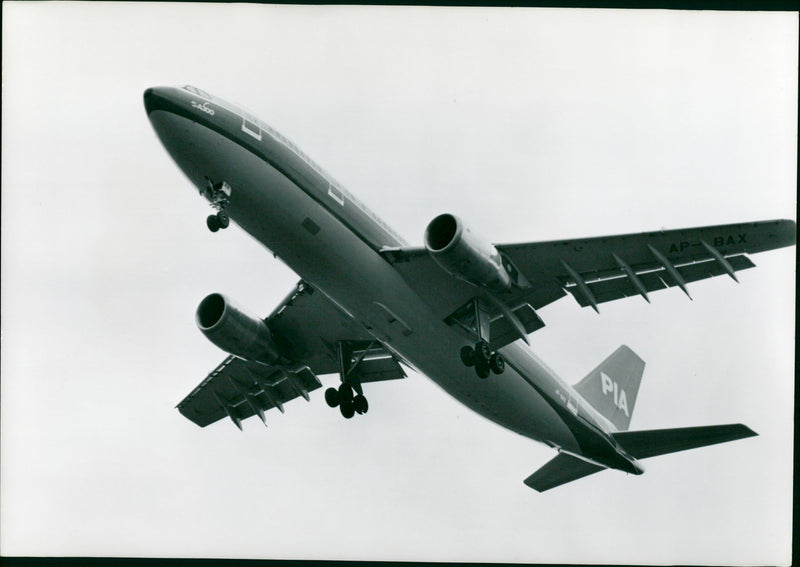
345,393
482,370
360,404
223,219
212,222
468,356
347,409
497,363
332,397
482,352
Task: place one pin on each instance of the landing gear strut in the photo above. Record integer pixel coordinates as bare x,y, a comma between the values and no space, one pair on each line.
483,359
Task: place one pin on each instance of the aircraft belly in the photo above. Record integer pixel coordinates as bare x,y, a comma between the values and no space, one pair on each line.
334,260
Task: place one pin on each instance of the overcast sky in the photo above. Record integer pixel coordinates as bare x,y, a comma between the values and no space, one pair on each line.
531,124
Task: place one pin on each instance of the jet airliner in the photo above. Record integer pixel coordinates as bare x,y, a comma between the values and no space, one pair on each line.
458,309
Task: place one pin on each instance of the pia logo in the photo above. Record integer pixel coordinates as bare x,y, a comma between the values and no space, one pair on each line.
609,386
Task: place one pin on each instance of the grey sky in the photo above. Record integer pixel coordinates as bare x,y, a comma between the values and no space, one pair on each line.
530,124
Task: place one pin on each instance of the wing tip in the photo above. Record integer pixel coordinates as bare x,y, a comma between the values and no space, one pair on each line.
746,431
532,484
786,233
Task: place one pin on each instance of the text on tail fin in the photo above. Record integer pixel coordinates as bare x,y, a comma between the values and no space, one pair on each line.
613,386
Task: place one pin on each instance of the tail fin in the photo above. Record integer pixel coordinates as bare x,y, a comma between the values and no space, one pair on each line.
644,444
611,388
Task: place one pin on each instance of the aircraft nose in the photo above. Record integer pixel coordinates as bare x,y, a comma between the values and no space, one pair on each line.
148,99
152,97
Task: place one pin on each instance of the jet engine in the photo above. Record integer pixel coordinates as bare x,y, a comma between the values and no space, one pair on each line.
464,254
235,332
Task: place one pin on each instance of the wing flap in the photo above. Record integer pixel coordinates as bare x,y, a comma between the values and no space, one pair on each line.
560,470
654,442
681,246
620,285
239,389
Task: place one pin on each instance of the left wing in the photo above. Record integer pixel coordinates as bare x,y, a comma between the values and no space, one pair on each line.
596,270
315,334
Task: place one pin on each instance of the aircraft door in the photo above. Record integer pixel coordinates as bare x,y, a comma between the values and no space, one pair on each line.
250,125
572,403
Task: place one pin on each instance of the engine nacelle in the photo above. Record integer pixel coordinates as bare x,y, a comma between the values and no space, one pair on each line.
234,332
464,254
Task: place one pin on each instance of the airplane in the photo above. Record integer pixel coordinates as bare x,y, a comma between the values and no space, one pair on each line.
458,309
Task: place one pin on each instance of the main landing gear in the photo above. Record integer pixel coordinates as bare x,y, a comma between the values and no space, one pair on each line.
348,401
483,359
349,396
474,317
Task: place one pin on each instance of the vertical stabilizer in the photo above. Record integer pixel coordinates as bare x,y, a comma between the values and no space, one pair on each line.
611,388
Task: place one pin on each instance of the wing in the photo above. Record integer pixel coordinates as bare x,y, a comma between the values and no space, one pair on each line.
309,326
595,270
314,332
454,300
240,389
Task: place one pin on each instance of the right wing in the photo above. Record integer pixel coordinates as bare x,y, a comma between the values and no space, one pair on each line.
313,332
240,389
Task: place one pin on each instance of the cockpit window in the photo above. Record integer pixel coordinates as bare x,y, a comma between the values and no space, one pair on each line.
197,91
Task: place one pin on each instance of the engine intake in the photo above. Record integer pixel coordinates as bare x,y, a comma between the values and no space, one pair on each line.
235,332
464,254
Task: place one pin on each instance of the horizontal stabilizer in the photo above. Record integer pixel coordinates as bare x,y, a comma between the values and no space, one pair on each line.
654,442
562,469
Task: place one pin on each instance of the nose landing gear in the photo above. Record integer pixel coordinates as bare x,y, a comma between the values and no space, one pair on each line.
218,221
218,194
483,359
